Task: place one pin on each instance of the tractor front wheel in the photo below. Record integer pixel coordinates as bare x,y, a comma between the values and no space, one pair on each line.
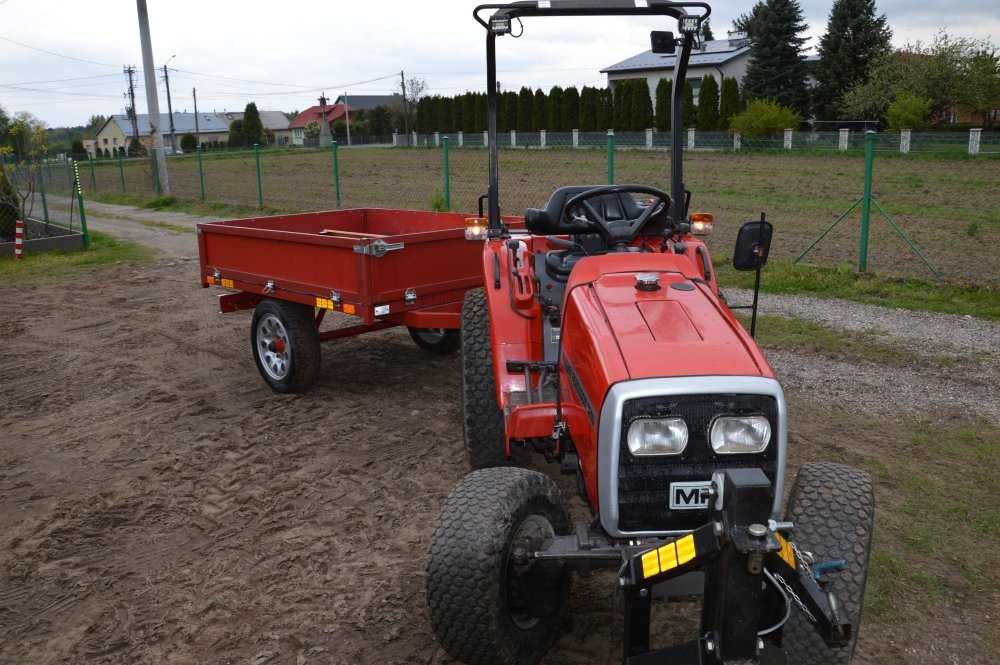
482,420
490,603
833,509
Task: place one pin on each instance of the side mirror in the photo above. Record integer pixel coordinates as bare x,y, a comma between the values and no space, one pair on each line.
753,244
662,42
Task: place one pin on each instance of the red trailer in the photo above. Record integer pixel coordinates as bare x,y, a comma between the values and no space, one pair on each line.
385,267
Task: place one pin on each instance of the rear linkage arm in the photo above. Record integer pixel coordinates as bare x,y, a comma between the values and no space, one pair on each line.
736,551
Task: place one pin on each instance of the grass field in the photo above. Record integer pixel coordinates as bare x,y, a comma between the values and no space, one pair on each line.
104,250
950,207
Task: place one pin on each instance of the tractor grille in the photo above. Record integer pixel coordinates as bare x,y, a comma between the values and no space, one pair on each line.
644,482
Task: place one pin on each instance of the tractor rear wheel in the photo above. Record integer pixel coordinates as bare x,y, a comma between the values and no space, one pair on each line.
285,345
482,420
490,604
435,340
833,509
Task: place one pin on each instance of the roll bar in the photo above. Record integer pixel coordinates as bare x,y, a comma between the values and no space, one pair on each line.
505,13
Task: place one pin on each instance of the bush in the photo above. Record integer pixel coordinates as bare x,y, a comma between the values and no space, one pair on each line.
9,207
764,117
189,143
908,112
136,148
77,150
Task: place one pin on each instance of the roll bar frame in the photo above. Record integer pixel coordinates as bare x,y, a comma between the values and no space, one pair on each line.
528,8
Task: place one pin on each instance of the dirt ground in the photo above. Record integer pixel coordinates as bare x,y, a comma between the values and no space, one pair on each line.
159,504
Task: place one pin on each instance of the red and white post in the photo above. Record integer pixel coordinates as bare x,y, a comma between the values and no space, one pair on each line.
18,239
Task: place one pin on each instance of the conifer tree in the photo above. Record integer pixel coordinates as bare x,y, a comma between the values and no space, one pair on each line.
525,102
729,101
708,104
855,37
554,110
539,111
664,90
570,111
777,69
690,110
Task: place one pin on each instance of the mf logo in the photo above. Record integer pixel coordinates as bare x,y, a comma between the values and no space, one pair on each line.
690,496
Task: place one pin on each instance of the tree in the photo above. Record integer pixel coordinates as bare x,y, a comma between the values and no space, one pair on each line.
664,91
312,130
509,101
747,21
553,110
26,136
708,104
77,151
10,207
570,109
539,116
4,126
525,108
456,114
729,101
622,105
137,149
469,120
189,143
253,128
641,106
940,72
908,112
588,109
443,115
764,117
777,69
690,112
855,37
981,74
481,112
605,110
236,137
380,121
706,31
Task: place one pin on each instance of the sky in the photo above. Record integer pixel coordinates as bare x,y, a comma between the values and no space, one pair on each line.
283,56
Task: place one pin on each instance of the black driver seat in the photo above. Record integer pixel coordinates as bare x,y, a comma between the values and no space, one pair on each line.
547,222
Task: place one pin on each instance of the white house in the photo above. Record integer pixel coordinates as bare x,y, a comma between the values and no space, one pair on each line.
717,58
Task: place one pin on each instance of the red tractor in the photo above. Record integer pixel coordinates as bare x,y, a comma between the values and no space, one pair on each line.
601,341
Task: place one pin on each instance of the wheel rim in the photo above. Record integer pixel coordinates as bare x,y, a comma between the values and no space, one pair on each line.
273,347
431,335
531,594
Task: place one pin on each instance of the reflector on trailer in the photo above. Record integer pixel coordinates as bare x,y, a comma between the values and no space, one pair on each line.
350,309
227,283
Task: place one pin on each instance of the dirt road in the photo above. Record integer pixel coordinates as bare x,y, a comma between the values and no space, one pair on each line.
158,504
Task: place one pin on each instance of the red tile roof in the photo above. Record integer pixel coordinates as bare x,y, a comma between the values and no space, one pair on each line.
334,112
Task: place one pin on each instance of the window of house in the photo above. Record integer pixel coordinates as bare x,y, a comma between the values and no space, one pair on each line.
105,141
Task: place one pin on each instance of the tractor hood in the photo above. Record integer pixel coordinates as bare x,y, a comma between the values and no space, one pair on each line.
679,328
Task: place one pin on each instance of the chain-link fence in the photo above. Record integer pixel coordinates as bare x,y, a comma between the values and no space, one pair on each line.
43,193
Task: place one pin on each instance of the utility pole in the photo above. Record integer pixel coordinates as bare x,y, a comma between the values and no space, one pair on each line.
324,126
197,133
406,108
170,108
130,71
152,102
347,112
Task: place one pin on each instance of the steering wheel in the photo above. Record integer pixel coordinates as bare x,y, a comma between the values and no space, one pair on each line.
594,221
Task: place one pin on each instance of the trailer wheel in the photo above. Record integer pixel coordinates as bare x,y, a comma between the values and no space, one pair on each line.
482,420
488,604
833,509
284,341
440,341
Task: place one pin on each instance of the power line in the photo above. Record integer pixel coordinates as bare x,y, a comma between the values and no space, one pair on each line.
55,92
58,55
75,78
294,87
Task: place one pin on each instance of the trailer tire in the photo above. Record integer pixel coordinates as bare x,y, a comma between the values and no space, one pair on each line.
482,419
833,509
439,341
294,366
487,609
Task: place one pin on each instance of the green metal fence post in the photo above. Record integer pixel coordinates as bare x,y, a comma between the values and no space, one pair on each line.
41,190
121,170
260,184
447,176
336,170
69,174
611,156
93,174
79,200
201,175
866,201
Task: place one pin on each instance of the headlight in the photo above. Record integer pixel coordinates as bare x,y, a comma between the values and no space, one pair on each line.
649,436
740,435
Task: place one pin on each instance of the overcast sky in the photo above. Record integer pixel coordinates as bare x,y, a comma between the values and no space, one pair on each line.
287,54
